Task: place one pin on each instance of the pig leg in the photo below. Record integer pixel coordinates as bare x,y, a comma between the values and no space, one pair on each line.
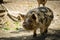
34,33
38,4
41,30
44,30
38,1
43,4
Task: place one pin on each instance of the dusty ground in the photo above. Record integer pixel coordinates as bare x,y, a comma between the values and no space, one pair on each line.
15,7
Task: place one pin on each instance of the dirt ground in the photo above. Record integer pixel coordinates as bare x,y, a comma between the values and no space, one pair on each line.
19,6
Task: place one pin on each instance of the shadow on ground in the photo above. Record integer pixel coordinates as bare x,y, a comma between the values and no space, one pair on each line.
54,35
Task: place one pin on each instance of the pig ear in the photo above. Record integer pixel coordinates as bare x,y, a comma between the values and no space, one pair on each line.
33,16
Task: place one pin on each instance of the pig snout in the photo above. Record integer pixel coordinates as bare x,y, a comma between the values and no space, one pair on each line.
25,24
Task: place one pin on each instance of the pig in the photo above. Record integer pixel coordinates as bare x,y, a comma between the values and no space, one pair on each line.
38,18
43,2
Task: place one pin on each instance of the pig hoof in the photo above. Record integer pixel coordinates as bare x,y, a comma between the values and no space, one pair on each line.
34,35
44,33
